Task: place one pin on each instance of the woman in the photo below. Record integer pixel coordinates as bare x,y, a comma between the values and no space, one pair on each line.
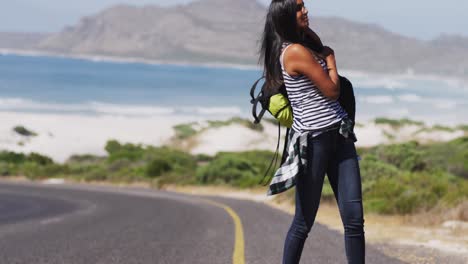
290,52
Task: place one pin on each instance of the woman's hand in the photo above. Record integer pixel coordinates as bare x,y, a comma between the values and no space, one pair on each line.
330,56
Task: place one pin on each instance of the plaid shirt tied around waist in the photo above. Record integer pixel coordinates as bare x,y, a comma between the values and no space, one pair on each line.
297,146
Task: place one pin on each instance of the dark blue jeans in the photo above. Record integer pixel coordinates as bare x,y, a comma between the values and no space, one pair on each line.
332,154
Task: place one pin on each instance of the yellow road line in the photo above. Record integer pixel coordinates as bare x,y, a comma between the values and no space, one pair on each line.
238,256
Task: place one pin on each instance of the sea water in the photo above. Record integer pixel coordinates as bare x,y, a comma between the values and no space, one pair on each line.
42,84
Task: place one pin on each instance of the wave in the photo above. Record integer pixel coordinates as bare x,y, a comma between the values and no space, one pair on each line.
411,98
126,59
102,108
377,99
444,104
404,80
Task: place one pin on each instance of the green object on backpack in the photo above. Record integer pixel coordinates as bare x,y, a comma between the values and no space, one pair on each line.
274,100
280,108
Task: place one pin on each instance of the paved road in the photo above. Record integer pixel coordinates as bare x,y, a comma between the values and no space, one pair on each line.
89,224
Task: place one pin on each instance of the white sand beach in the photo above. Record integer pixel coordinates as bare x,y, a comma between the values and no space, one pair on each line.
61,135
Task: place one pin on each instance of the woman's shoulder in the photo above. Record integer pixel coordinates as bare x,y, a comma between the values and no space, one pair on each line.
294,48
296,51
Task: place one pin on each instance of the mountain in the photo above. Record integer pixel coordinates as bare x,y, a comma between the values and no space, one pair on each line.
200,32
228,31
14,40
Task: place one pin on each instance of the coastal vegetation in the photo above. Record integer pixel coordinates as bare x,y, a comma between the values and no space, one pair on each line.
397,123
24,131
188,130
396,179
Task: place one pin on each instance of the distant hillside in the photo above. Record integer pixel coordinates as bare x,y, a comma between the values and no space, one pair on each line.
228,31
12,40
200,32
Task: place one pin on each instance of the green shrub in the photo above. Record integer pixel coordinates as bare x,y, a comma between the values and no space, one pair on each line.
226,169
373,169
404,156
118,165
94,173
244,169
442,128
382,196
236,120
6,169
410,192
463,127
24,131
397,123
31,170
457,163
157,167
85,159
203,158
449,156
126,151
184,131
179,161
39,159
112,146
12,157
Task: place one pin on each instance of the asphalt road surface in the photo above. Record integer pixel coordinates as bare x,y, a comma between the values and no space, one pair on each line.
86,224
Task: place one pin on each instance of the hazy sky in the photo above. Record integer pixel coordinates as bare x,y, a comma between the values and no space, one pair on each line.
424,19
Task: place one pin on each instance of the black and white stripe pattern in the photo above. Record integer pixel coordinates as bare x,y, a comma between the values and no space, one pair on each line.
311,109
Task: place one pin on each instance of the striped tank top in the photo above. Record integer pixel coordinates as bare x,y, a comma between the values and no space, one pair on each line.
311,109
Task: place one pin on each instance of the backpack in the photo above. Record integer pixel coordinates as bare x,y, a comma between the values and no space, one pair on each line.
277,103
274,100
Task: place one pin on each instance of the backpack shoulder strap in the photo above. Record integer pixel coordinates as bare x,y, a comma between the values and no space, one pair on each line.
254,86
256,99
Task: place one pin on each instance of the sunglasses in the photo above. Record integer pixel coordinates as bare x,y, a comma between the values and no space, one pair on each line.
300,7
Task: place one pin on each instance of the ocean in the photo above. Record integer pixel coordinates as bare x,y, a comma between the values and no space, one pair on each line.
42,84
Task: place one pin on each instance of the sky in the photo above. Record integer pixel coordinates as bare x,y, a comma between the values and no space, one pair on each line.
423,19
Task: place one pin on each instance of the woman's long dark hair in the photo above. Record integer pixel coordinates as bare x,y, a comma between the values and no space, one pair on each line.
280,27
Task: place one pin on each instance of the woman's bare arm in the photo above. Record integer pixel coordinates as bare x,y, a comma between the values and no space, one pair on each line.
299,60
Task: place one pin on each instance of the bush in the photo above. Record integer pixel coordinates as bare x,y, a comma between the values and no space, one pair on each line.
23,131
411,192
450,156
39,159
404,156
12,157
243,169
203,158
226,169
157,167
85,159
397,123
179,161
94,173
127,151
6,169
35,171
184,131
373,169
